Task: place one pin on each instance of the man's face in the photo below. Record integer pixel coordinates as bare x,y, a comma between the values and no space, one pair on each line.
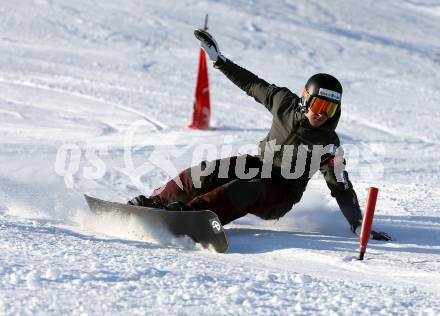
316,120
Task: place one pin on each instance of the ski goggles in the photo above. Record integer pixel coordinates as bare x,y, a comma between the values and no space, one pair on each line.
318,105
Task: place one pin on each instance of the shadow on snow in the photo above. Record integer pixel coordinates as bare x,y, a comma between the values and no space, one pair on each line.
416,234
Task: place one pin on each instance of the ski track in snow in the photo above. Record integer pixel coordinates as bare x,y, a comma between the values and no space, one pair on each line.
84,73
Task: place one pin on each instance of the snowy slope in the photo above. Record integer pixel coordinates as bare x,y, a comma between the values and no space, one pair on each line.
110,78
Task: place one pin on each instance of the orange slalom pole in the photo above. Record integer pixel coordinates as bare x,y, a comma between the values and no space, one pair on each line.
368,221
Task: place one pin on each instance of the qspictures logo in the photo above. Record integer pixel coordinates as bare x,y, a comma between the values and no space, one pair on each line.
76,162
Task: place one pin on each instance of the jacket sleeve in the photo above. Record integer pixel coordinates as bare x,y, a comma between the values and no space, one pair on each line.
269,95
342,189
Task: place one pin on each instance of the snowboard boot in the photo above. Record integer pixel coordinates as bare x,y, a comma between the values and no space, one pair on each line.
178,206
143,201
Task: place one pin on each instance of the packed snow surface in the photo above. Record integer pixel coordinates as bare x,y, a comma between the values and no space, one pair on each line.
86,87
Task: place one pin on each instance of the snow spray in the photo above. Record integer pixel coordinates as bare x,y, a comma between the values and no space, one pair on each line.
368,220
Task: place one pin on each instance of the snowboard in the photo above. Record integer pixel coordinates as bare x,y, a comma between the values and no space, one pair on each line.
203,227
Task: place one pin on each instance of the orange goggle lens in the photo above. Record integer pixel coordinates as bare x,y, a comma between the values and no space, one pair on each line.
318,105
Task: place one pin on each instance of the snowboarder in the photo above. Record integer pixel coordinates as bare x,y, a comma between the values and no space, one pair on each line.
299,126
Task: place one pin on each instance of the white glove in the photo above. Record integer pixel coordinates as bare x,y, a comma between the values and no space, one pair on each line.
209,45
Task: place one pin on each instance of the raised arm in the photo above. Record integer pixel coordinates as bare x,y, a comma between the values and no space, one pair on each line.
270,95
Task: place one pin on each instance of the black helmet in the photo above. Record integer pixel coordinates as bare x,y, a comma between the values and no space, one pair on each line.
325,86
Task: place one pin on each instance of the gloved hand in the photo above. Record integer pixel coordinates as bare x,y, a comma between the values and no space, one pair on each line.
380,236
210,46
356,229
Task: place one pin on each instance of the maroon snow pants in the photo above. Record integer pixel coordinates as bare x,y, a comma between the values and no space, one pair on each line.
226,194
